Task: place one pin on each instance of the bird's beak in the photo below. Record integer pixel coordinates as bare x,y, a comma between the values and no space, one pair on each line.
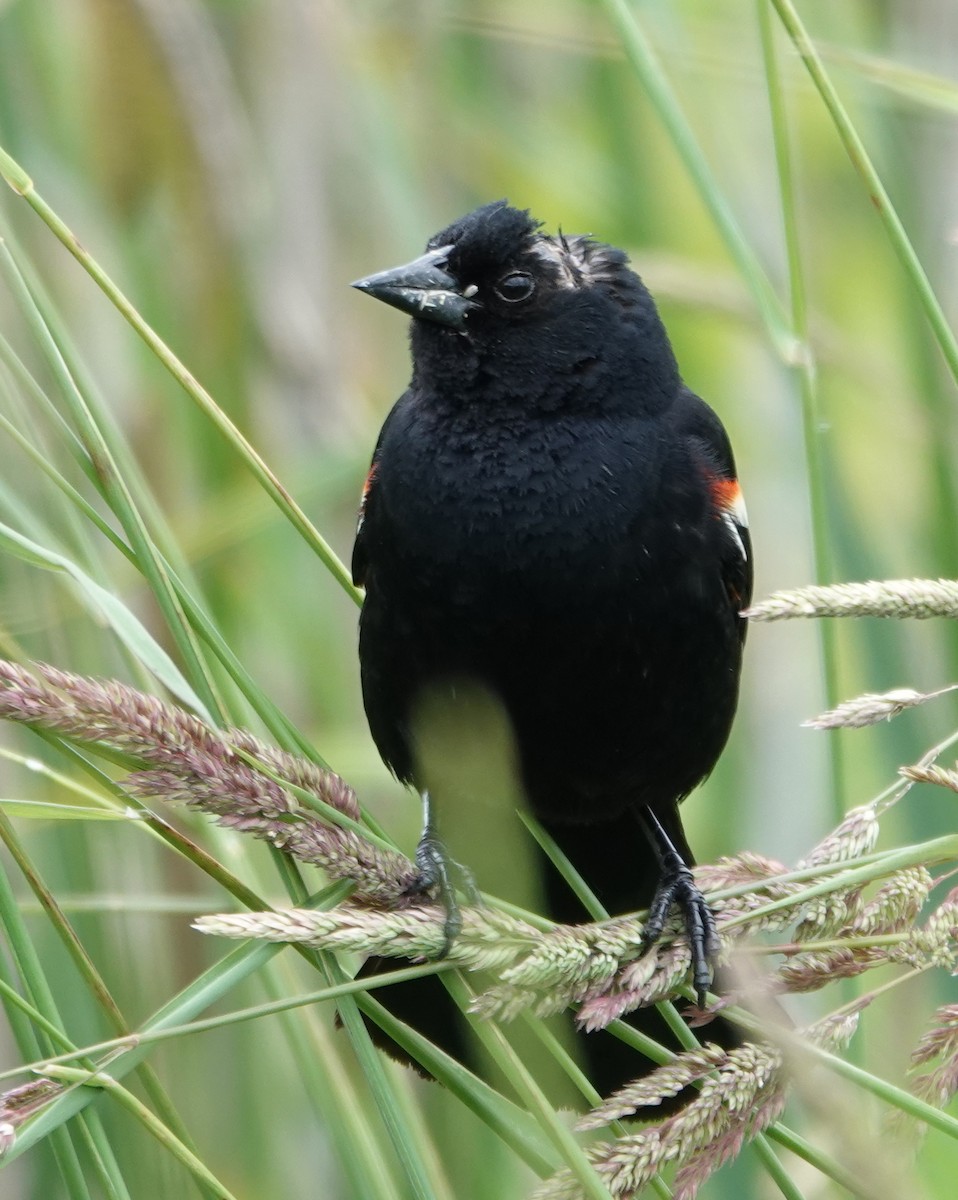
422,288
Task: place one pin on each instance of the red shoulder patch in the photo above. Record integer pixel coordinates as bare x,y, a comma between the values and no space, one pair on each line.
364,499
728,499
370,479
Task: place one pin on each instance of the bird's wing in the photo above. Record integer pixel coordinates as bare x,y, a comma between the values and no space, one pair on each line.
737,561
713,454
360,559
367,506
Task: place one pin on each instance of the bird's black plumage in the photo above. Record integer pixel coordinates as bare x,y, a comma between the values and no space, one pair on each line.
553,514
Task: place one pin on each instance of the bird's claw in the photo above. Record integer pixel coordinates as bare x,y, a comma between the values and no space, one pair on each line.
438,871
679,887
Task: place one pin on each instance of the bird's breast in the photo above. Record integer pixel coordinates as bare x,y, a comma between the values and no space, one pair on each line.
496,498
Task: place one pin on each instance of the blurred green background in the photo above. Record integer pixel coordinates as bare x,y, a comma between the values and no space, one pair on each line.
233,165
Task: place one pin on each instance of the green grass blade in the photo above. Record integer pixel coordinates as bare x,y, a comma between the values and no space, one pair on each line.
652,76
104,604
860,160
21,183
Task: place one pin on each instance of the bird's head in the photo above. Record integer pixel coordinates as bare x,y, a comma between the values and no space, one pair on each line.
553,320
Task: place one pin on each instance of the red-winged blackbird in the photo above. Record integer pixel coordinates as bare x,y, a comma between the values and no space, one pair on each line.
551,513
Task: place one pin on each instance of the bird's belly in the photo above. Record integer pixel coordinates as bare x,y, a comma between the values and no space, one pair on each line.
620,684
553,579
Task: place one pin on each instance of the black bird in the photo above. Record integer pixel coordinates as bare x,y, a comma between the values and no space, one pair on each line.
552,514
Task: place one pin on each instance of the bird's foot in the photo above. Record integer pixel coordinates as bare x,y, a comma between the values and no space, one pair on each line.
439,872
677,886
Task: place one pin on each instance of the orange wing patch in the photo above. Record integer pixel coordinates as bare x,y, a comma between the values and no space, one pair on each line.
730,509
728,498
370,479
364,500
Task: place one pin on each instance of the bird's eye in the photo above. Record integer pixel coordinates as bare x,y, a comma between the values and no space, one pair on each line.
515,287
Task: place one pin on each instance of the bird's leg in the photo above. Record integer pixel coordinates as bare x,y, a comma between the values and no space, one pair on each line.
677,886
439,870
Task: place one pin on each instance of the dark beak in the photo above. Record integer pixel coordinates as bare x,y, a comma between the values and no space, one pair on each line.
422,288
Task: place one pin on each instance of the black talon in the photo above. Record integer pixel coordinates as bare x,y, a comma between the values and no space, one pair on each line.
435,872
677,886
439,872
